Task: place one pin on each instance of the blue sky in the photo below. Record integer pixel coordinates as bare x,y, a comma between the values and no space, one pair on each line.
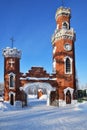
32,23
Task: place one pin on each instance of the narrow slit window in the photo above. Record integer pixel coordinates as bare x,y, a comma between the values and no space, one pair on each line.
11,81
68,65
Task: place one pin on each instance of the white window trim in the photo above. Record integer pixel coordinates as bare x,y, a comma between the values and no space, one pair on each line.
70,64
10,96
14,80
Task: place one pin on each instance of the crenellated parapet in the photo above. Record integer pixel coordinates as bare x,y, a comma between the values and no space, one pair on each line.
11,52
63,34
62,11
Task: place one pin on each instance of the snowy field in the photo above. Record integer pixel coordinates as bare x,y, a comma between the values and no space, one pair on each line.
38,116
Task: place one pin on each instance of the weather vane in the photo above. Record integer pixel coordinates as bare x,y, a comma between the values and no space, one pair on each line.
12,41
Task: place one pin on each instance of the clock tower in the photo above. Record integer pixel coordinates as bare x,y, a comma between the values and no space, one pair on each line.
11,74
64,55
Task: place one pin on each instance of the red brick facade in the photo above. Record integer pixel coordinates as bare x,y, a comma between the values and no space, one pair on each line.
63,54
38,74
63,77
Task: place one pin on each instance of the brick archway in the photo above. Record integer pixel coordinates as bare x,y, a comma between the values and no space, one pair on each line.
47,86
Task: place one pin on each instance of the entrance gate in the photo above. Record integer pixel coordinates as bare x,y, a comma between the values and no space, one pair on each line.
37,85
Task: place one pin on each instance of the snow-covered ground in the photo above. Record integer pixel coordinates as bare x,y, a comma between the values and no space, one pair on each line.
38,116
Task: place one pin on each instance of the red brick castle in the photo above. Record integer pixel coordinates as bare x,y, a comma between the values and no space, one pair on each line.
61,84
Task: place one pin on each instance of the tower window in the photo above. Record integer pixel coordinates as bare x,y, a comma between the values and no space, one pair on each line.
11,80
65,25
68,66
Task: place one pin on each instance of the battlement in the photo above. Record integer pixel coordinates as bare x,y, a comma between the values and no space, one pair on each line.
62,11
63,34
11,52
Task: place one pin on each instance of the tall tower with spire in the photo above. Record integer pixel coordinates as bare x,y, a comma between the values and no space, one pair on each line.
11,74
64,54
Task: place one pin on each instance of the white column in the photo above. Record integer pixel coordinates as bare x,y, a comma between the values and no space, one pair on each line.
48,98
65,94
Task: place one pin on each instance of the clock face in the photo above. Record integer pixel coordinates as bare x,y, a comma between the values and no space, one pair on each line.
67,47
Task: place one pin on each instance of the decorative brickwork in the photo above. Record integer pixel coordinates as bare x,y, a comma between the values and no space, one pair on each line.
62,79
64,57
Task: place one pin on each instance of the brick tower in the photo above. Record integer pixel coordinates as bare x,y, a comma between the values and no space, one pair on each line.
11,74
63,55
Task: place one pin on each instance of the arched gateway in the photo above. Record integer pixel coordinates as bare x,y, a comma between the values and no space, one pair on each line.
38,85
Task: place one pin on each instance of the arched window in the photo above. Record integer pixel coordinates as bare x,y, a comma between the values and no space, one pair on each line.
68,65
65,25
11,80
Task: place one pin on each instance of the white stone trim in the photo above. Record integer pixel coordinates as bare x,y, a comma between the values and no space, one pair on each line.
47,86
57,26
70,89
11,52
14,80
35,78
63,34
48,98
71,60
